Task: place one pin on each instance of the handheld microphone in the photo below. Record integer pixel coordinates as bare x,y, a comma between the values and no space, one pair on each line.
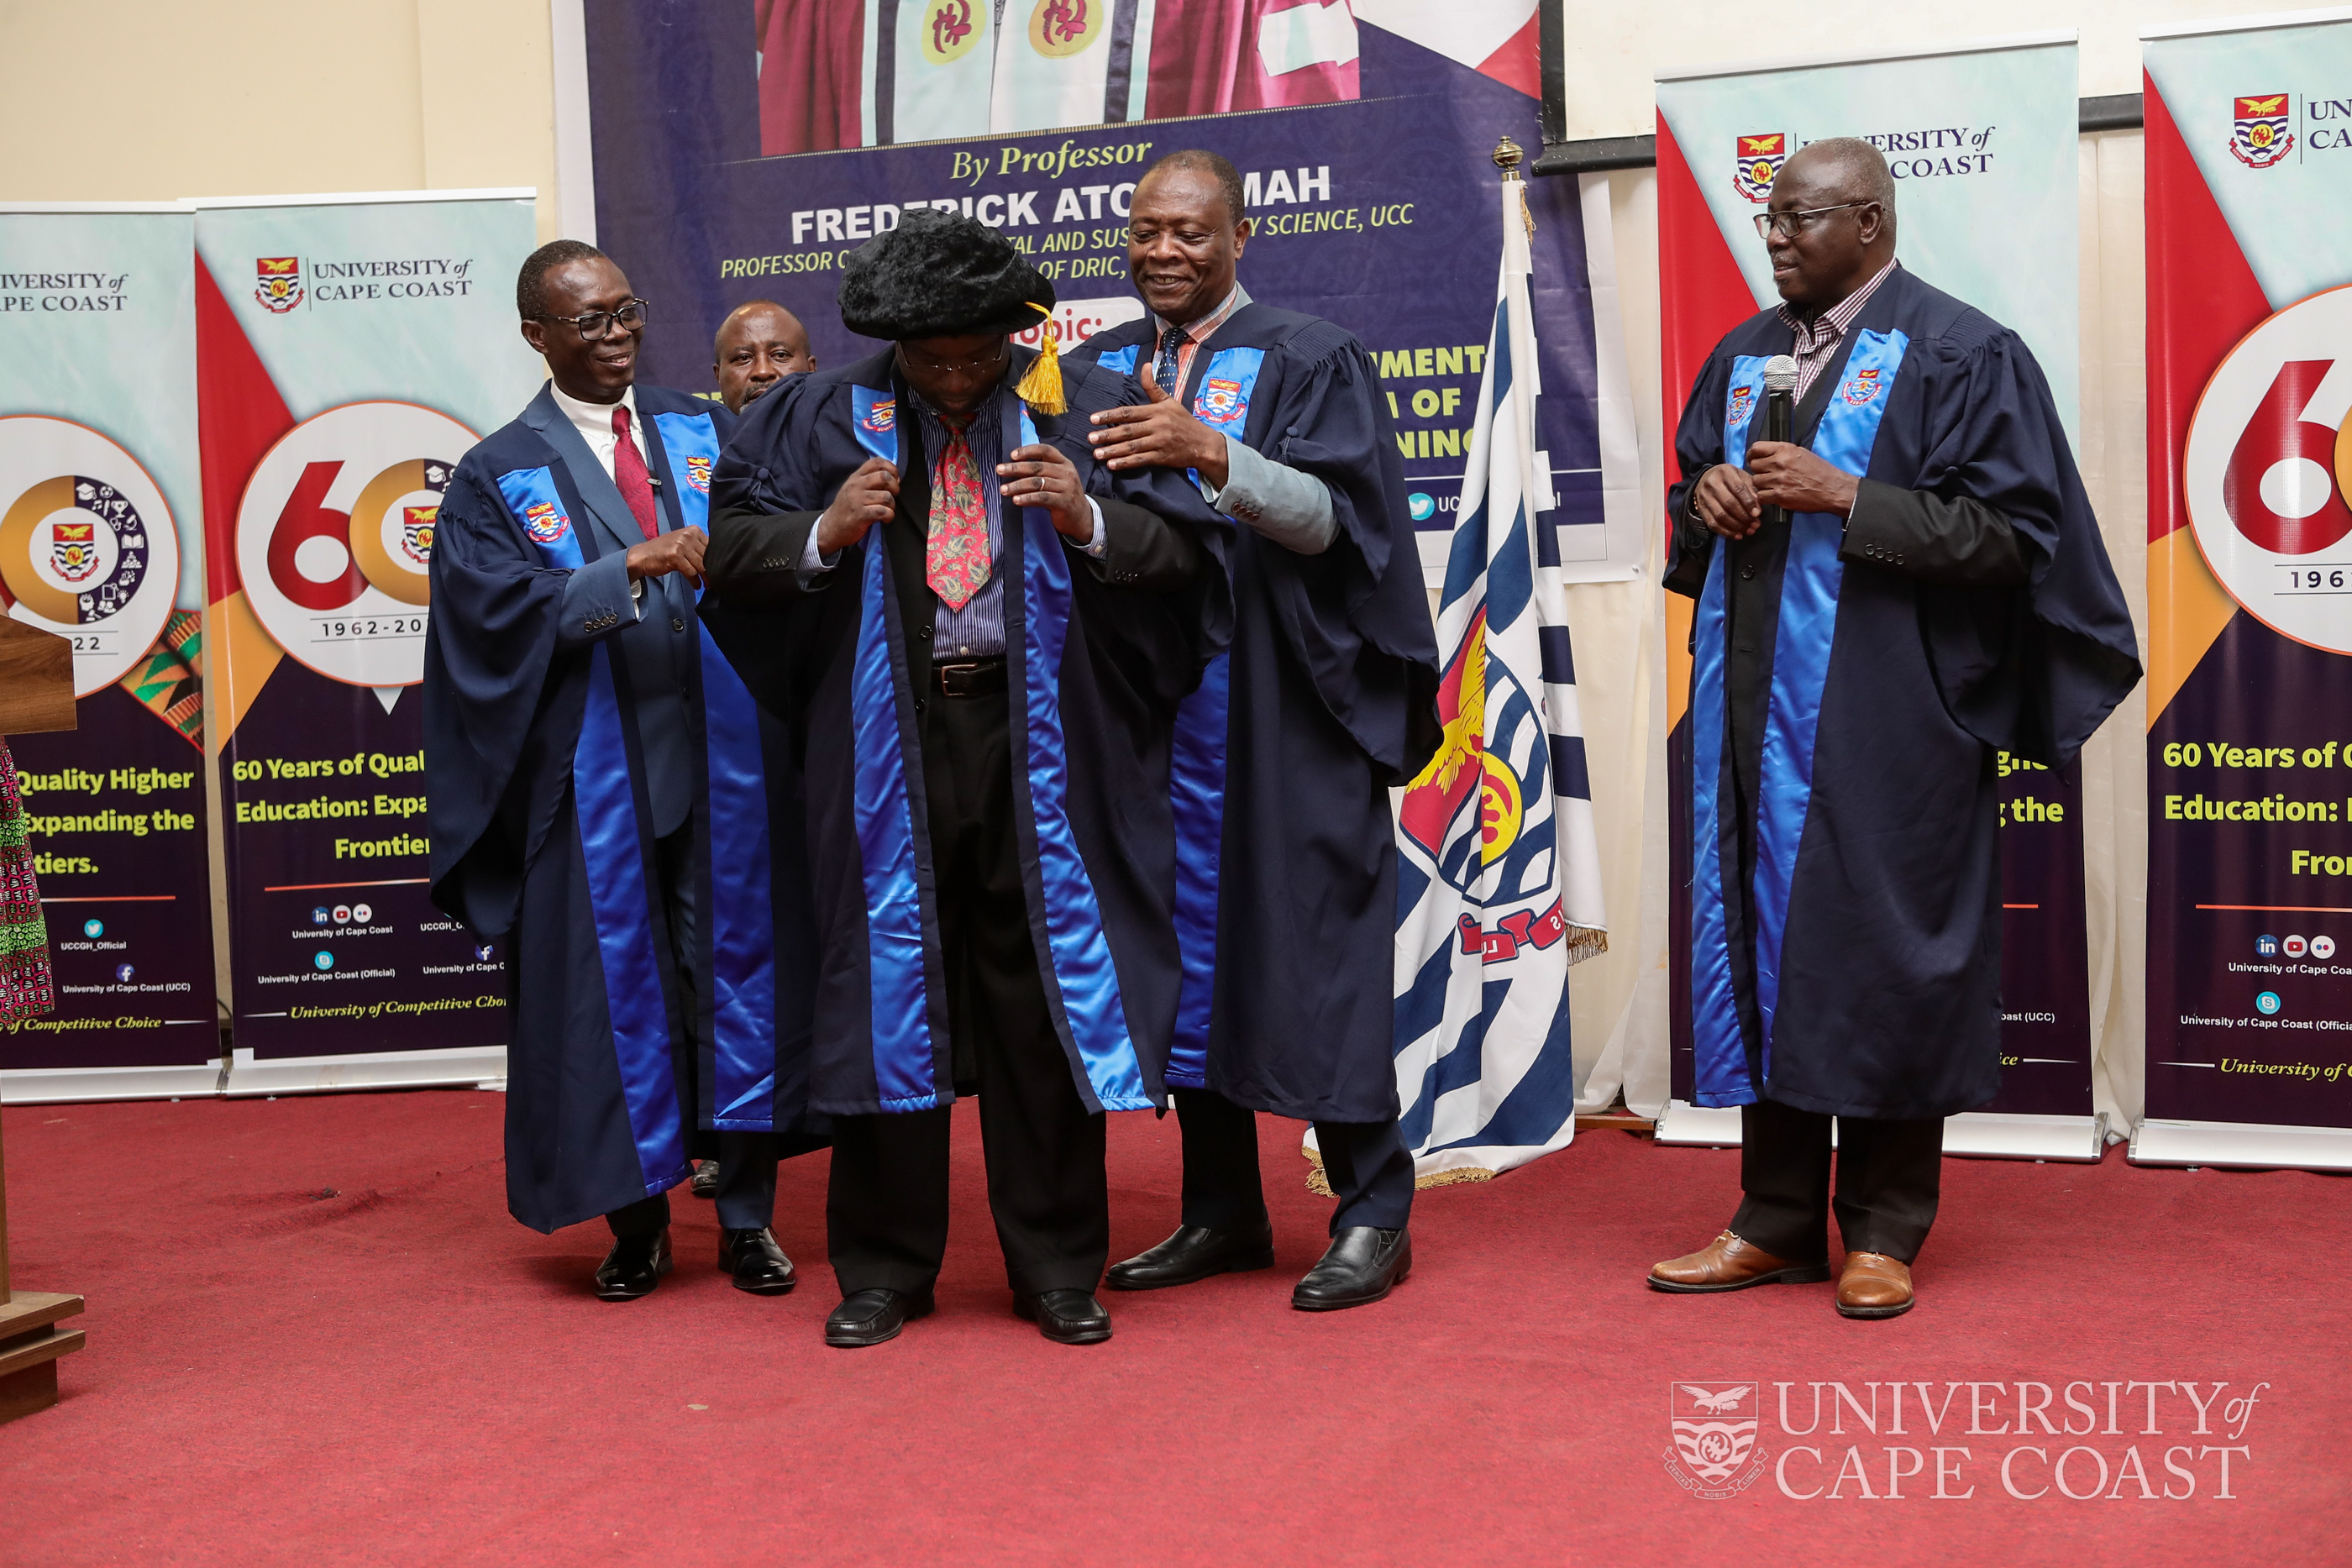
1780,412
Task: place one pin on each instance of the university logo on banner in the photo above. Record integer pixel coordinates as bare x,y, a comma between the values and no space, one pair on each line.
1758,165
334,538
1715,1454
950,30
1063,28
2259,137
2268,467
88,549
277,283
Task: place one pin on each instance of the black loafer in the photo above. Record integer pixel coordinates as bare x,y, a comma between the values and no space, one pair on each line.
633,1267
758,1264
873,1317
1065,1317
706,1180
1195,1252
1361,1265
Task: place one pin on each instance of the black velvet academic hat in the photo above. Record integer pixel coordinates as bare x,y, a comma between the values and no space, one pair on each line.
940,274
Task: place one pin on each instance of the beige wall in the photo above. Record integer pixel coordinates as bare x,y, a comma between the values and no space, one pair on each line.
1615,50
145,101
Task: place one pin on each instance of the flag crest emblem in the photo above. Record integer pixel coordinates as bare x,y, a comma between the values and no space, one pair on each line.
1714,1424
1759,165
882,417
1220,401
545,522
416,534
697,475
277,283
73,550
1864,386
2258,132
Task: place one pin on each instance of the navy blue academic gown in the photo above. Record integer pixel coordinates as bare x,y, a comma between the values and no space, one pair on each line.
1847,696
1096,672
1287,906
563,732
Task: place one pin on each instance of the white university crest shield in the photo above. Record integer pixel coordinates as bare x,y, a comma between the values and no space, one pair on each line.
1715,1454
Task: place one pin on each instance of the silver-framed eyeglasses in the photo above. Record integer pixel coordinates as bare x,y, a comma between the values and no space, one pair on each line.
1792,222
978,364
595,324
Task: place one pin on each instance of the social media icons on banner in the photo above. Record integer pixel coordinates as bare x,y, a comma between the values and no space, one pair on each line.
2294,947
2323,946
323,960
2266,947
2268,467
2267,1003
88,548
93,928
334,538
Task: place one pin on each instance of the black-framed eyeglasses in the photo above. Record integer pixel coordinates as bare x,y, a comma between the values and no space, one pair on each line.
595,324
978,364
1792,222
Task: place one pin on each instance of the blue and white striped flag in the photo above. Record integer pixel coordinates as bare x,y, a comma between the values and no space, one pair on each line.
1498,880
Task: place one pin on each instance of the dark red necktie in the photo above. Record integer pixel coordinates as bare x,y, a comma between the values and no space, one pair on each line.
629,474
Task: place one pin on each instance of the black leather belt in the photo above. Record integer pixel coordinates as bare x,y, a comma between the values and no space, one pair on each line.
970,678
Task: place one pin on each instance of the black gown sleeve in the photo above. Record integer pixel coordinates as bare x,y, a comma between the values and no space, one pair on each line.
1698,446
1956,541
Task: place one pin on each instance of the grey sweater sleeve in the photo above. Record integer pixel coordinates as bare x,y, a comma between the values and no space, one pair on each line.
1291,508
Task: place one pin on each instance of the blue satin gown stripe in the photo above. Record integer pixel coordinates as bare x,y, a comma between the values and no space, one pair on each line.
1801,657
618,880
691,440
531,496
1197,792
1082,970
873,414
903,1058
1120,359
742,917
1719,1053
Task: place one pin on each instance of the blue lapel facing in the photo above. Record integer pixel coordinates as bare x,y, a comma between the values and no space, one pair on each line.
597,491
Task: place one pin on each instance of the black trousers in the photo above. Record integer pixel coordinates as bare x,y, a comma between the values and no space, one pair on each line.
886,1209
1367,1164
747,1161
1889,1175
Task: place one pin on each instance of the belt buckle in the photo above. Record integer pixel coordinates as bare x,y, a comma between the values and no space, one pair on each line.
954,679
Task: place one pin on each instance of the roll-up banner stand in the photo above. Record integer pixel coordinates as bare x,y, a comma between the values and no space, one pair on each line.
100,542
2249,593
1982,139
350,350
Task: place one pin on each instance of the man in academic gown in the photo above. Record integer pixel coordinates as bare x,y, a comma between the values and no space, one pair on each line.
757,346
1913,582
1286,902
588,759
978,665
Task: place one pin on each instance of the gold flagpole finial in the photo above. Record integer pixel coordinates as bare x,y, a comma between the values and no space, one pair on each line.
1507,156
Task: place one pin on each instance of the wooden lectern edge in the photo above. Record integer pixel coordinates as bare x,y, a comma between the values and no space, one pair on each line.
37,680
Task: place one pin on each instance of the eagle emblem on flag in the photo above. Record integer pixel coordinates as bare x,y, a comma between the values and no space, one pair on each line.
1715,1454
697,475
73,550
277,283
2258,135
545,522
1758,165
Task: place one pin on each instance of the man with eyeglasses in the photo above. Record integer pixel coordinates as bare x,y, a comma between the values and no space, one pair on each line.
1286,755
1913,582
597,780
977,652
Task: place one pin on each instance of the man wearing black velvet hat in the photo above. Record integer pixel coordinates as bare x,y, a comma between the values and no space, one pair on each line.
979,665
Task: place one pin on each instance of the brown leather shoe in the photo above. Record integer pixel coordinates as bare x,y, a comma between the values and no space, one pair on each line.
1727,1263
1873,1285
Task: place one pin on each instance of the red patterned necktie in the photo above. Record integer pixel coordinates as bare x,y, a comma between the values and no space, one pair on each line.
629,474
955,562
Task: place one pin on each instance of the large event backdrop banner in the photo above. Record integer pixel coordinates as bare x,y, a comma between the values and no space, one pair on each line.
1981,138
742,150
2249,593
100,510
350,350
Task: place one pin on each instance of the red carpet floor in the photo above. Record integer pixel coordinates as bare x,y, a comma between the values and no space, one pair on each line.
316,1338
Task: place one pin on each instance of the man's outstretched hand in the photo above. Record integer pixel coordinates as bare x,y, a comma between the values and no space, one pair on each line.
1158,434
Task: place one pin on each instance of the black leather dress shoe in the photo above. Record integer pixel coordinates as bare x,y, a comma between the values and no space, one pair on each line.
1065,1317
1195,1252
1360,1266
706,1180
758,1264
633,1267
871,1317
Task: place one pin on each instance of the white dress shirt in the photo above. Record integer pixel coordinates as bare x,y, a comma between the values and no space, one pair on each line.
594,421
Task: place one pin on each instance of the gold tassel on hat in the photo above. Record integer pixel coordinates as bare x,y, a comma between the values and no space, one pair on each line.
1041,389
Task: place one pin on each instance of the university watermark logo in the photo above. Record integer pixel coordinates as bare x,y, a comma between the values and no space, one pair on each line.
2107,1439
1759,165
1715,1454
2258,133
